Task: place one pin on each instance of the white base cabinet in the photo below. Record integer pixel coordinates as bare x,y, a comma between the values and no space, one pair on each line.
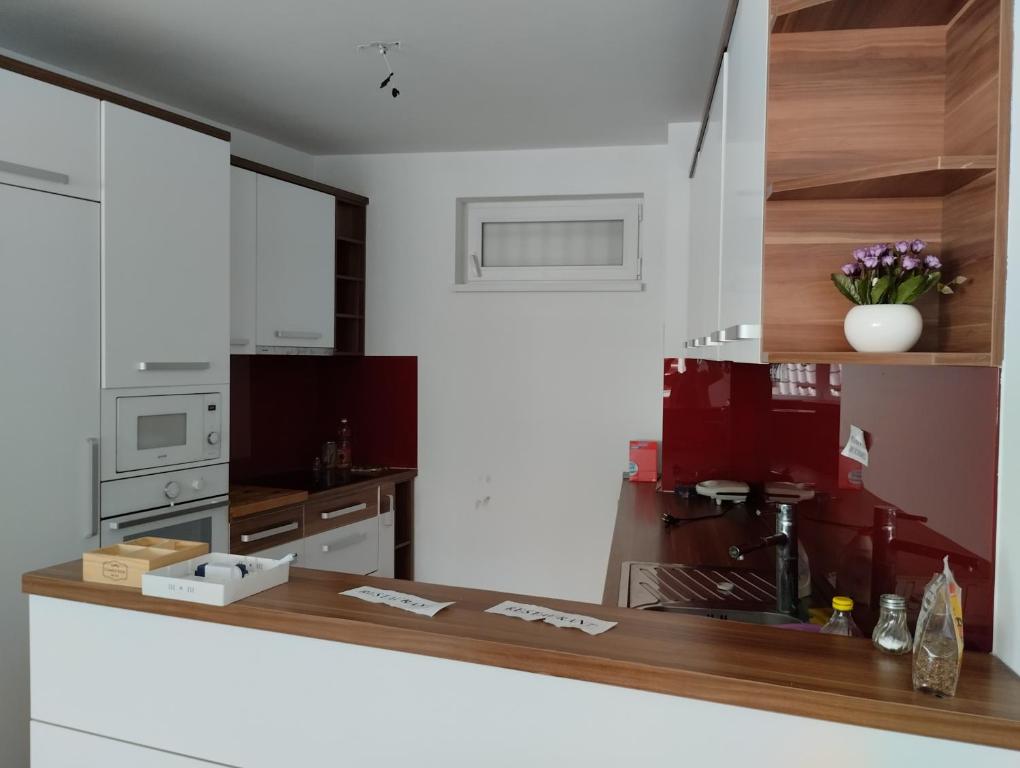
348,549
56,747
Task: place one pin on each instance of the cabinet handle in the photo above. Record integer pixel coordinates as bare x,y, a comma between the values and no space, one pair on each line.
740,332
179,511
265,534
311,335
34,173
173,366
348,541
93,526
345,511
238,342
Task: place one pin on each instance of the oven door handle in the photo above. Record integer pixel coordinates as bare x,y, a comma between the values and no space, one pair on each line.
118,525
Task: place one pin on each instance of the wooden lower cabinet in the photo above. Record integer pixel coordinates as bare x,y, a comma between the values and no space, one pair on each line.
56,747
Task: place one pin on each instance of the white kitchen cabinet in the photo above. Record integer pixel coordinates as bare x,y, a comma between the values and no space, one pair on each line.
242,261
49,137
387,530
743,187
348,549
49,412
295,276
296,548
56,747
706,231
165,251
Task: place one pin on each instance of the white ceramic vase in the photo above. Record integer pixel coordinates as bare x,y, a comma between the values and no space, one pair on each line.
883,327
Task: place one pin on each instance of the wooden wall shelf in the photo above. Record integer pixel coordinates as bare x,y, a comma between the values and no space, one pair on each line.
865,358
925,177
821,15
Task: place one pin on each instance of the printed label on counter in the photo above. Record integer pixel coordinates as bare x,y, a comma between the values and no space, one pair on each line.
399,600
527,612
856,447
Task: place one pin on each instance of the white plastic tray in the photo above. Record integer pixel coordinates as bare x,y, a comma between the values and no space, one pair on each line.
179,582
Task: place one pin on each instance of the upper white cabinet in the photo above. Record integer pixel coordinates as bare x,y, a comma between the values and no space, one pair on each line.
743,187
165,252
242,261
295,277
706,227
49,137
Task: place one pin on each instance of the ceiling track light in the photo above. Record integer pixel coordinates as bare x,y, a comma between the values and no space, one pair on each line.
384,49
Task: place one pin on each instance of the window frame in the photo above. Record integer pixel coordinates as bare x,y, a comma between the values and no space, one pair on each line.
477,213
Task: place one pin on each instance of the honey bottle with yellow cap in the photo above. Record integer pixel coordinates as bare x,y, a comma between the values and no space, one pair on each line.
842,621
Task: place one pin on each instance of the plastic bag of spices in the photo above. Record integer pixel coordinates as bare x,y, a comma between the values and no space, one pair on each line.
938,640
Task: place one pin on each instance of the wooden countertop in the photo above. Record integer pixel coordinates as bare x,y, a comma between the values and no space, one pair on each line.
810,675
251,499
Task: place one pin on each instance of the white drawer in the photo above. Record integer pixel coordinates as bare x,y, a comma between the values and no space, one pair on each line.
296,548
49,137
56,747
349,549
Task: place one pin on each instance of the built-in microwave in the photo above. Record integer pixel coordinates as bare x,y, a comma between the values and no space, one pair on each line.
155,430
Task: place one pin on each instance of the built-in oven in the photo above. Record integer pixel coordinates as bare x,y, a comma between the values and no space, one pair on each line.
190,504
148,430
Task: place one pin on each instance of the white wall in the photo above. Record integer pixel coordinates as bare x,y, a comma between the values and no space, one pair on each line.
1006,643
527,400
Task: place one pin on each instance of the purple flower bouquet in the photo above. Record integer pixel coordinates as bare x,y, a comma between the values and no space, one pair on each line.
888,273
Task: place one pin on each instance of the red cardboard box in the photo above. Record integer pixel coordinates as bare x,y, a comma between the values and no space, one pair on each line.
644,461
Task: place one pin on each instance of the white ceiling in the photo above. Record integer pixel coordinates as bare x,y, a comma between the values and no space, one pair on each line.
473,74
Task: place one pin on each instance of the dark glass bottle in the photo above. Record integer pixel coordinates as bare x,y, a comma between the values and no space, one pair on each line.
344,452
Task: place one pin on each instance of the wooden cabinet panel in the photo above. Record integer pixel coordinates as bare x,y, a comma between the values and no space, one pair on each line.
266,530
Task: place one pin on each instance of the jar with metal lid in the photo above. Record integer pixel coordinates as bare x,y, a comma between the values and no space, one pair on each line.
891,632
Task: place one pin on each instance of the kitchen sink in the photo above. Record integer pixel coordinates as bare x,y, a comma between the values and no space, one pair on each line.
750,617
716,592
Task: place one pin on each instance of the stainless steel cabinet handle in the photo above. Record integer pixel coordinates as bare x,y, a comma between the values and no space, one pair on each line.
345,511
348,541
740,332
238,342
158,366
259,535
297,335
118,525
34,173
93,528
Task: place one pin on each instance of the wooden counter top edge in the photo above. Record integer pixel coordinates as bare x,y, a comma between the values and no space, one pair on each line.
374,631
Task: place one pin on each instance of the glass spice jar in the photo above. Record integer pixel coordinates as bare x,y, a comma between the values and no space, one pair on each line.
891,632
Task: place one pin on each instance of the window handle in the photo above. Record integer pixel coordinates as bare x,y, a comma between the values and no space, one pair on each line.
478,264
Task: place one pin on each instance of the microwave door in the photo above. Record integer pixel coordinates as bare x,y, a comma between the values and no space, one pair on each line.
159,431
201,521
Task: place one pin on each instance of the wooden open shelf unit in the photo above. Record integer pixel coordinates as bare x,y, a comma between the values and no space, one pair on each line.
349,328
888,120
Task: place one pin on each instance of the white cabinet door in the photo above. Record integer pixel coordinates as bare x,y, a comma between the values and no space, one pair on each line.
744,177
349,549
49,412
56,747
296,548
242,261
387,531
296,273
706,227
49,137
166,253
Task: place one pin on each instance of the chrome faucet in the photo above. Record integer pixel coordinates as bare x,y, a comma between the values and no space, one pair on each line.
785,542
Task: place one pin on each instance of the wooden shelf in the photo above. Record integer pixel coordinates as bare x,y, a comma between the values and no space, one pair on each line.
825,15
925,177
350,240
350,278
402,544
872,358
349,316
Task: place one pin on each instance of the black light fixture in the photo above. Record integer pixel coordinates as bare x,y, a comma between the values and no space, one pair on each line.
384,49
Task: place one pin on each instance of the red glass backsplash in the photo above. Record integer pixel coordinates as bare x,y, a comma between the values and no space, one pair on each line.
283,408
933,442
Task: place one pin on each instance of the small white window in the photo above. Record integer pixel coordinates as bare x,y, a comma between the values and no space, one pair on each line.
585,243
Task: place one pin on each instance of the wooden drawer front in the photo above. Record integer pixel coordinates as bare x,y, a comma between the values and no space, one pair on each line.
350,549
336,511
259,532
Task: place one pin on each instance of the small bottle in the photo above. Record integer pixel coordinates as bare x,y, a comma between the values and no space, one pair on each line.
841,622
891,632
344,456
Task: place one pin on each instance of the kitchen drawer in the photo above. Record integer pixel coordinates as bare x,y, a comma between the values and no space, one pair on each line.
350,549
296,548
322,514
49,137
267,530
56,747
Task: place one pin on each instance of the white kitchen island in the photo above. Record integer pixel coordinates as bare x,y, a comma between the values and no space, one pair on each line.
121,679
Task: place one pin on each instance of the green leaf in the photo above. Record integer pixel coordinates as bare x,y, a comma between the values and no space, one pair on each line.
848,287
907,291
879,290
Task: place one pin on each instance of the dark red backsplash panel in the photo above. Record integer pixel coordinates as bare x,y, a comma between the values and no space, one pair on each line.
933,443
282,408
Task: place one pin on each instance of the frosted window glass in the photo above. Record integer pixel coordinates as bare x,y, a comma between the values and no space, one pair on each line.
552,243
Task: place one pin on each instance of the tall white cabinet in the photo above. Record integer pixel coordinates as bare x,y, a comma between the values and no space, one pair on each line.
243,210
165,252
